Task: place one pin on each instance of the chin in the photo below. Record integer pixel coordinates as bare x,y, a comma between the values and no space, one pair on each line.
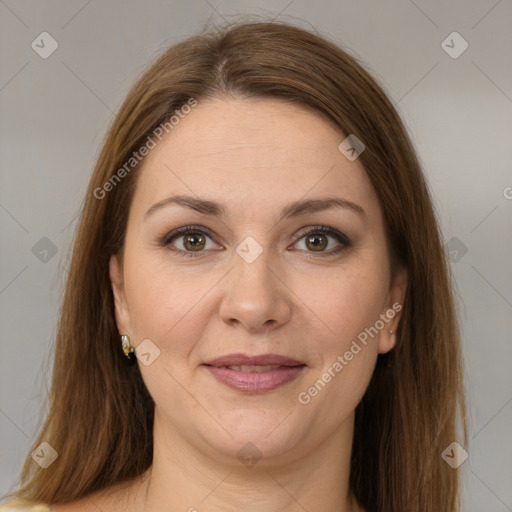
255,436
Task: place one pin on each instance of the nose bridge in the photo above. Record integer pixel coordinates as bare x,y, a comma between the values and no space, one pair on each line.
253,267
256,295
253,261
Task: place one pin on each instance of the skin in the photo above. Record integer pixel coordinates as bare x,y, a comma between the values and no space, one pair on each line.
255,157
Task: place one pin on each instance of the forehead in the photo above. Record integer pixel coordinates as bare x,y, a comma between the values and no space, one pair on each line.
251,152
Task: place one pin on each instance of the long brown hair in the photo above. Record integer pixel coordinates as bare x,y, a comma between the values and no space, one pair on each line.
100,415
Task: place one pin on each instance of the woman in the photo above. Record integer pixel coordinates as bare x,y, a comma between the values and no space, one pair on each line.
258,313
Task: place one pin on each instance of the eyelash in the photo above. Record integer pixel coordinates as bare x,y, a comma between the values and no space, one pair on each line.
185,230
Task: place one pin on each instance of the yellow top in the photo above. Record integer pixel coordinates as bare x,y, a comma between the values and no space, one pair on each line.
24,506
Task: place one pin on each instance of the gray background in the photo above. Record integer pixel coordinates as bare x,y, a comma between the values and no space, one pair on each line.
54,113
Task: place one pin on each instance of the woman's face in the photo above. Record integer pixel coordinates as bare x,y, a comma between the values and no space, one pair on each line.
254,276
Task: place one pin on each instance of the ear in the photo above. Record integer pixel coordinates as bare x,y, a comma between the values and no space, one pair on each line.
393,311
120,305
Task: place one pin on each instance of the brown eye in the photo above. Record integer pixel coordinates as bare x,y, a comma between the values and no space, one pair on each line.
316,242
318,239
193,242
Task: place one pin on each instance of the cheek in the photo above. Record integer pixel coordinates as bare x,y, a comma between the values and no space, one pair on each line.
161,301
346,349
345,301
347,315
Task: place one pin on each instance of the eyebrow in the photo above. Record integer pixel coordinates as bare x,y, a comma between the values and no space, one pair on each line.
295,209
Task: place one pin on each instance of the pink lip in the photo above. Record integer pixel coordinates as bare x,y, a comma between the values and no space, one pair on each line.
255,382
261,360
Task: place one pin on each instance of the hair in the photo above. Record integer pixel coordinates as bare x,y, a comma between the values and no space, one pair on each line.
100,414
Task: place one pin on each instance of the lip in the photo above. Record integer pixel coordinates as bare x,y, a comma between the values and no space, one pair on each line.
259,360
253,382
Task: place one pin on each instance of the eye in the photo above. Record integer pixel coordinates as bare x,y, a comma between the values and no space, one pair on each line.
316,240
195,240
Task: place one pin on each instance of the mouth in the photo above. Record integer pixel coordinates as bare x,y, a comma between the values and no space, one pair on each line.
254,374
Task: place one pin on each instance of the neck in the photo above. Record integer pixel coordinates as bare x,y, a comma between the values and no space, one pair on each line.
184,478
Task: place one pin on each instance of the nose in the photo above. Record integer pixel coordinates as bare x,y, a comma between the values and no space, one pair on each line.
256,295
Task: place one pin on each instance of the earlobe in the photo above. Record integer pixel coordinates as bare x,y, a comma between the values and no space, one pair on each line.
387,339
120,305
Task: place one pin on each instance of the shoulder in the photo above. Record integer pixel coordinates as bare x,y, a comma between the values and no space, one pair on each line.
111,499
24,506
